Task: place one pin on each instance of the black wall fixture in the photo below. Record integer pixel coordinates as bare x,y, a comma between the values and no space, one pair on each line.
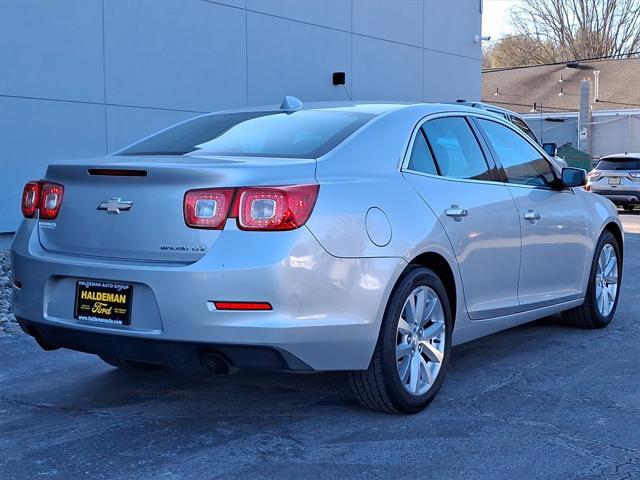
339,78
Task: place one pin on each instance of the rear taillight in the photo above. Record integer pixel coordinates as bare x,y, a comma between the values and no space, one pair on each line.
31,198
207,208
275,208
593,175
50,200
43,196
256,208
634,176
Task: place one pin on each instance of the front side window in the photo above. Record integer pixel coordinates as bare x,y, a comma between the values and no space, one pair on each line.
301,134
456,149
421,159
522,163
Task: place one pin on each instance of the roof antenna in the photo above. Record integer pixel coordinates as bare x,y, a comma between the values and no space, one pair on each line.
290,104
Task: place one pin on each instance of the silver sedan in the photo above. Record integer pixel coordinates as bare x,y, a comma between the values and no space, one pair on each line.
361,237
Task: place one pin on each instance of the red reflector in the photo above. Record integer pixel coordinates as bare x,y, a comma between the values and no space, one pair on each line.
31,198
243,306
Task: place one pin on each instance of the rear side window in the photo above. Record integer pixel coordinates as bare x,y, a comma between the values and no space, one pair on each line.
456,149
619,164
421,159
522,163
301,134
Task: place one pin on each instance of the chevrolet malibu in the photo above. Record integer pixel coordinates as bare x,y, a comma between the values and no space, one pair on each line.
369,238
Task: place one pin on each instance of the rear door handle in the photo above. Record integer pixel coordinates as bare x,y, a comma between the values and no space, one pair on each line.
456,212
532,216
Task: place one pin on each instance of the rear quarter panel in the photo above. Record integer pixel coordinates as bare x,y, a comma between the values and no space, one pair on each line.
364,173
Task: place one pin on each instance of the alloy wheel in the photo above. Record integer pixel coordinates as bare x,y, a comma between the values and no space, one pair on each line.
606,280
420,340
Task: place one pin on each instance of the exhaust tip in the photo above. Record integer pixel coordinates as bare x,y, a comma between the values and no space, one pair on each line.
218,364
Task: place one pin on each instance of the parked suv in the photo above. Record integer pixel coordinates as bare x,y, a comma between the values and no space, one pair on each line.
518,121
508,115
617,177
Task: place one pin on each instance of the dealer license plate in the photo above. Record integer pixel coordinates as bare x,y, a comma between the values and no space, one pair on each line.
614,180
103,301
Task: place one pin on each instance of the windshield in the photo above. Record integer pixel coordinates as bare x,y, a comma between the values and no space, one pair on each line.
301,134
619,164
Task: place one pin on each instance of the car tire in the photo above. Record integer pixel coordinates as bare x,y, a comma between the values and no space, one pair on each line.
591,314
390,384
131,365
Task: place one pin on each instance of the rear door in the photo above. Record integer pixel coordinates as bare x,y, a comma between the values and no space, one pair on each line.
554,226
449,170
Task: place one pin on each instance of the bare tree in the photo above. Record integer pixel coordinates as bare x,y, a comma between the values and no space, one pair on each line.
579,29
517,51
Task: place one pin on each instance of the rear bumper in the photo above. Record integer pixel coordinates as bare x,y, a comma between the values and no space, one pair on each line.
163,352
620,197
326,310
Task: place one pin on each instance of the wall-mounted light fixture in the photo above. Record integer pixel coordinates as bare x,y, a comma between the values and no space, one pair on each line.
481,38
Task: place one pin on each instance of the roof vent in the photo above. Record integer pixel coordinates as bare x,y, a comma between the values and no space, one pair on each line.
290,104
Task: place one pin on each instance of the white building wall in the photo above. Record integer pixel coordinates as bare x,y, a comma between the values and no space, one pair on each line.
82,78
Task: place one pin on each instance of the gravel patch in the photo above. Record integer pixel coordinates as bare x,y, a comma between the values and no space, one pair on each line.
8,324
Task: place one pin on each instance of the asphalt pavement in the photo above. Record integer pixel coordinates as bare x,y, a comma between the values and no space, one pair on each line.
538,401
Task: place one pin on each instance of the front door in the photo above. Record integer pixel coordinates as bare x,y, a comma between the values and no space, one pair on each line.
449,170
554,227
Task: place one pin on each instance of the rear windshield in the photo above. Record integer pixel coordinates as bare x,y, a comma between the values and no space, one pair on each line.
619,164
301,134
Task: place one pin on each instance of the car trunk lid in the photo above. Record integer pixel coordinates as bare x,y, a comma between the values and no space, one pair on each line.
132,207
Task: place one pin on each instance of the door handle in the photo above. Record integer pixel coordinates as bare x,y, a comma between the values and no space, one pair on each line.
456,212
532,216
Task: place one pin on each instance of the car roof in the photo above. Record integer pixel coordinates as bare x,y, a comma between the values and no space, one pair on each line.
373,108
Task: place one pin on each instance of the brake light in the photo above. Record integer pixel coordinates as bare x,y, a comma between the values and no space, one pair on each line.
207,208
255,208
634,176
31,198
50,200
275,208
593,175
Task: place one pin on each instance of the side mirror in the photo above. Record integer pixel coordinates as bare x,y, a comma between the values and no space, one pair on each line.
573,177
550,148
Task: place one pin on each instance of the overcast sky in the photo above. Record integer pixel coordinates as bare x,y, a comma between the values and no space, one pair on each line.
495,19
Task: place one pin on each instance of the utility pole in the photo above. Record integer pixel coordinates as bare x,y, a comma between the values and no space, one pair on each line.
584,118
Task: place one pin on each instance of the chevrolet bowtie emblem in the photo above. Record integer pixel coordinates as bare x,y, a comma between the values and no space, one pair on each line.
115,205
